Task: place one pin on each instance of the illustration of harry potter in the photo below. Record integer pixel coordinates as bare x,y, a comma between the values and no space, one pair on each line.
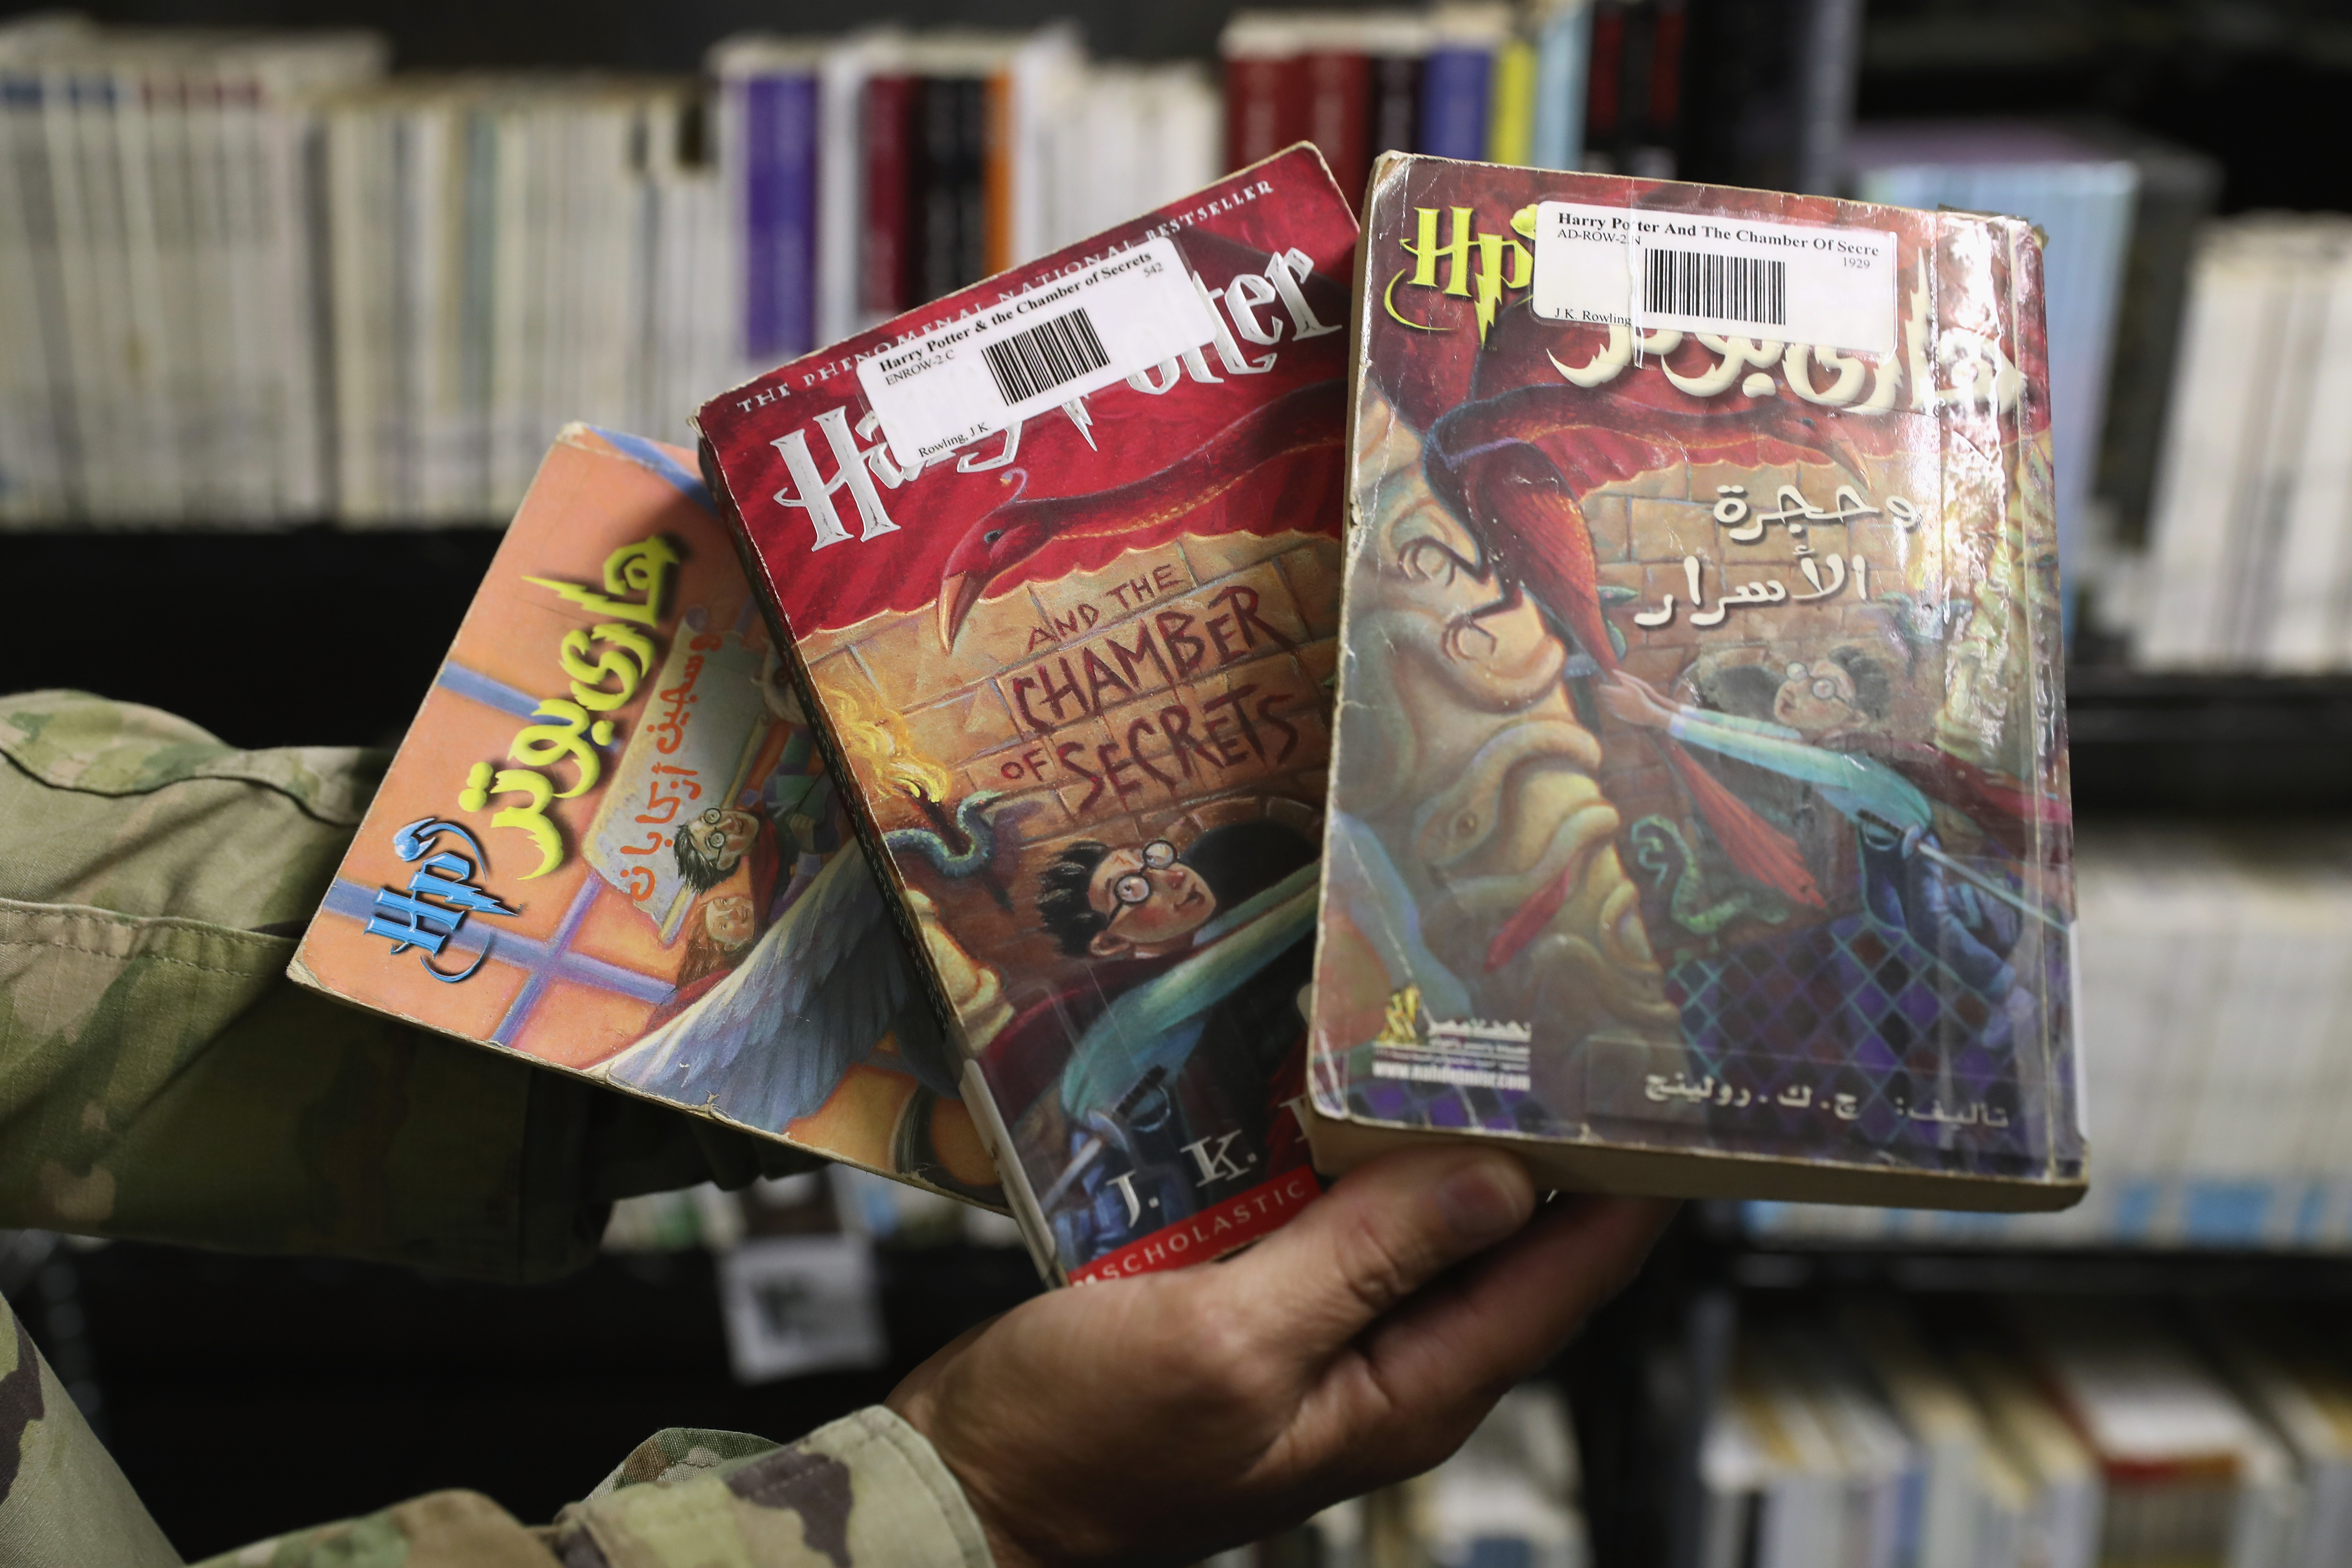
1209,946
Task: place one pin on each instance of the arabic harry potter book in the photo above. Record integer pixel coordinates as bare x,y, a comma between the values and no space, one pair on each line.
609,843
1058,559
1699,818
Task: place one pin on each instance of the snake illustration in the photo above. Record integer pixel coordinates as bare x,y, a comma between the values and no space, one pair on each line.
972,818
1652,838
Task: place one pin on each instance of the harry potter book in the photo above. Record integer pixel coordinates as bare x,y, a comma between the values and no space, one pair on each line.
1699,818
1057,559
609,844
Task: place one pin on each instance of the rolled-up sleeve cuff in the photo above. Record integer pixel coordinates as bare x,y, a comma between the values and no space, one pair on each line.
866,1489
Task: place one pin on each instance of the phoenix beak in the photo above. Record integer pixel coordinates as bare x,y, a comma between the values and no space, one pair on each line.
958,592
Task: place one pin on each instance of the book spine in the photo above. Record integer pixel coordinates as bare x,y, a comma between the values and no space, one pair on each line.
1454,101
885,255
840,191
1395,103
952,187
975,107
933,190
779,216
1254,89
1339,85
344,154
606,241
189,220
254,481
95,411
510,379
1510,118
2219,406
29,441
1831,58
1563,54
1605,84
1000,183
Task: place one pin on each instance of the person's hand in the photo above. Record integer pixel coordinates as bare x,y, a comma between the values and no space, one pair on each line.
1161,1418
1631,700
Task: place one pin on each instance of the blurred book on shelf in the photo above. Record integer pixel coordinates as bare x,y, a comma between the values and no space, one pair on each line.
502,254
163,347
2249,558
1482,81
2214,998
2039,1431
1766,96
247,279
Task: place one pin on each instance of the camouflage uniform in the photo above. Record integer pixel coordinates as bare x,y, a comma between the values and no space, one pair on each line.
160,1079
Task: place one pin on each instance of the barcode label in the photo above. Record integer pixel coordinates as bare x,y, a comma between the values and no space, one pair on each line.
997,364
1715,272
1738,291
1050,354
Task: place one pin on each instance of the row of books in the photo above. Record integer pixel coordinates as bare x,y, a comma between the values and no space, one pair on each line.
248,277
2249,558
1462,80
161,291
2215,1008
2054,1432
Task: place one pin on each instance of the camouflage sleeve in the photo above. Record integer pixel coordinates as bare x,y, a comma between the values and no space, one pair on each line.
866,1489
160,1079
63,1502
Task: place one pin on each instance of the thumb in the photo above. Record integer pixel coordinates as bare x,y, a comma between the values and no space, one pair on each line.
1382,1233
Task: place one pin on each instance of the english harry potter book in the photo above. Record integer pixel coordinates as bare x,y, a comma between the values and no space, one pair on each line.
1700,816
1058,559
609,843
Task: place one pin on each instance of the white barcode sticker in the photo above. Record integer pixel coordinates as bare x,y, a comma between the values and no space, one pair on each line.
1036,350
1708,273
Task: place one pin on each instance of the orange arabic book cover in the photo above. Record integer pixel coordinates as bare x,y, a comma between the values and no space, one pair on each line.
1700,816
609,843
1059,556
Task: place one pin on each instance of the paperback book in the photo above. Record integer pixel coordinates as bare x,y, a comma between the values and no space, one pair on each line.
1699,817
1056,559
609,844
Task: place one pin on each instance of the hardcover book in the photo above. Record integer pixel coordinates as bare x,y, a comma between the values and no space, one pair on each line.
1699,818
609,843
1057,559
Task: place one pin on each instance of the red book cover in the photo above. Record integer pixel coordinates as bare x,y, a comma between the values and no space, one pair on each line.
1700,816
1057,557
884,257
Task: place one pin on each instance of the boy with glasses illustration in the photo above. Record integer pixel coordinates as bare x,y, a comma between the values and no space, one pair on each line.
1178,1043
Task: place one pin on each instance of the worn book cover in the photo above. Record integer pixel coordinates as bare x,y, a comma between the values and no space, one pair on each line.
1699,813
610,843
1058,557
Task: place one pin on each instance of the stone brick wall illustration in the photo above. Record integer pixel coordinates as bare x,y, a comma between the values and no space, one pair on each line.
1176,690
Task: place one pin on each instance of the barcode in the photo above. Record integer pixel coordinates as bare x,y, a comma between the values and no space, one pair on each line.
1045,357
1720,288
